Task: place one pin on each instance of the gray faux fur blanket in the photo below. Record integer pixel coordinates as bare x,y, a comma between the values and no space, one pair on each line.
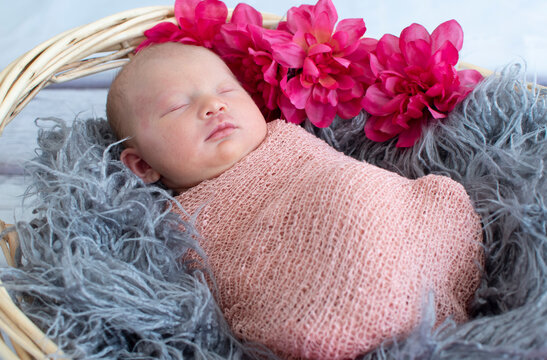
99,264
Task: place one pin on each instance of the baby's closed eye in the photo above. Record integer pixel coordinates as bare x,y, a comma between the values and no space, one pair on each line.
174,108
226,89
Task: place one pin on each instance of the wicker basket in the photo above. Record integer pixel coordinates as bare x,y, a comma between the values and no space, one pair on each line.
102,45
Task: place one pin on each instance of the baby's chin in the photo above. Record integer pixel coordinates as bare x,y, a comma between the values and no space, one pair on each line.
231,150
230,153
223,156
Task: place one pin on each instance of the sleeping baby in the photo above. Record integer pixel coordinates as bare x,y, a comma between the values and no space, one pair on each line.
315,254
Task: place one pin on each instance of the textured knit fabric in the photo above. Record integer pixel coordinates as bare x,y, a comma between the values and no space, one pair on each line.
318,255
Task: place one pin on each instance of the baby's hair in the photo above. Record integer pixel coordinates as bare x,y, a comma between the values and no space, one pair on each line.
115,112
118,105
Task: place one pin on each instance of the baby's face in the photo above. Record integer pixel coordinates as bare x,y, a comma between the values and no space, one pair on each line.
192,118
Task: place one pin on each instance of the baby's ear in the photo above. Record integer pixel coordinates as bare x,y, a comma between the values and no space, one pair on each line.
132,159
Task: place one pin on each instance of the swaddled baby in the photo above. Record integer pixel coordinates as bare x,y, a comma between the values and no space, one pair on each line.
315,254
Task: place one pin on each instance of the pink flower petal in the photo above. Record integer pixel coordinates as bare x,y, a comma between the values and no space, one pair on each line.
400,120
444,74
309,40
414,81
387,46
354,28
298,94
271,73
392,85
322,27
289,54
469,78
319,49
185,11
376,67
417,53
372,126
448,31
290,113
310,69
339,41
161,30
356,92
376,102
367,45
246,14
320,115
158,34
268,37
282,26
298,19
189,40
410,136
270,96
345,82
212,11
436,90
342,61
391,126
436,114
412,33
447,53
328,82
349,109
324,95
326,7
235,39
332,97
415,106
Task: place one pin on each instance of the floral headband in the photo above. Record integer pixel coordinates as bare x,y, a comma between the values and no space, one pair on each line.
307,68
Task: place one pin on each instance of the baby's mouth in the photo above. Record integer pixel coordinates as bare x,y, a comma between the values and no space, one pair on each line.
220,131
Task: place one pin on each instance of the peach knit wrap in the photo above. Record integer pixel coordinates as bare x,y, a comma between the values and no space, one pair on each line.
318,255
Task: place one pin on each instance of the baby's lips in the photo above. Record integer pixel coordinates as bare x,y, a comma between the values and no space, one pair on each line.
223,129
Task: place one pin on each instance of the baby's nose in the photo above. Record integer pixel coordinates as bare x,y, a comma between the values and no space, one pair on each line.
213,106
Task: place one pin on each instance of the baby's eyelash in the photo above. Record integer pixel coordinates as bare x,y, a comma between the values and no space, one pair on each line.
178,107
175,108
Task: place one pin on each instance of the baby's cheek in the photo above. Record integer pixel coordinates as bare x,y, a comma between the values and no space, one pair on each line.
229,152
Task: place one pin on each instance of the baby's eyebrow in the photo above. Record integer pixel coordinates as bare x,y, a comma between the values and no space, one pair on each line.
230,80
163,101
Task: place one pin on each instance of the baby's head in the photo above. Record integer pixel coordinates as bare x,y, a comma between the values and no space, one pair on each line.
186,116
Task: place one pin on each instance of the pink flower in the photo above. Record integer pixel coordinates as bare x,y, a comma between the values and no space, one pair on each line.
247,49
324,77
199,23
416,81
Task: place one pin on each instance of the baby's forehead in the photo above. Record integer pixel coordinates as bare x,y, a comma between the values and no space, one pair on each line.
172,52
174,56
